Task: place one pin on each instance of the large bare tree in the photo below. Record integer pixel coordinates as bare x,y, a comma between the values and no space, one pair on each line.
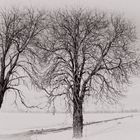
86,53
19,29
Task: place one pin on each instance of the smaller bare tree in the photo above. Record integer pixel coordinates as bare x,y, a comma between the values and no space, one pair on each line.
86,53
19,29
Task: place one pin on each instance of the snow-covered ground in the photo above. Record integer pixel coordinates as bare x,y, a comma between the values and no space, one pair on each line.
124,129
19,122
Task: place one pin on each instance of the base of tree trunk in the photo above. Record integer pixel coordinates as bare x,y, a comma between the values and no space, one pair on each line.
78,121
77,133
1,98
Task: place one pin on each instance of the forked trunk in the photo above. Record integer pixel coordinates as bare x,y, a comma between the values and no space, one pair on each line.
77,119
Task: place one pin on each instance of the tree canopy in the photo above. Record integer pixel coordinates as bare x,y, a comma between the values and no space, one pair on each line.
92,51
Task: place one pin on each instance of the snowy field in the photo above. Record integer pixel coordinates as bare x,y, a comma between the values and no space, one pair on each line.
15,126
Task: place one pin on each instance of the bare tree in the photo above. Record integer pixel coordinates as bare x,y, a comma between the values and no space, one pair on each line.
19,30
86,53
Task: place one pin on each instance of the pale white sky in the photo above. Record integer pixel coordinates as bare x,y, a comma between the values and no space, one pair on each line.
129,8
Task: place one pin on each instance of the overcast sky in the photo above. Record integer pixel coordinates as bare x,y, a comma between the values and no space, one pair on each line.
129,8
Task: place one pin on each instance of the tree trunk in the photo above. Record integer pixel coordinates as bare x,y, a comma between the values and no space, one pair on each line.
1,98
77,119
